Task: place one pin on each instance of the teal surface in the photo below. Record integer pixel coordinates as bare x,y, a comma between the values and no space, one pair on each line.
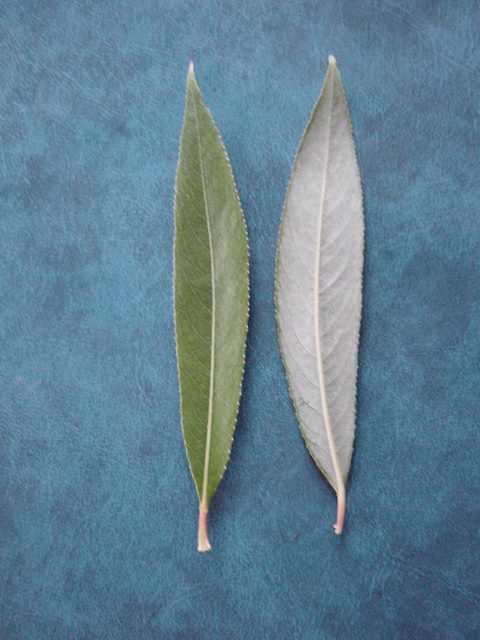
97,507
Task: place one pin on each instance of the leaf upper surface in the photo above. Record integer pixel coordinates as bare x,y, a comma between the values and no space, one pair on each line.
211,294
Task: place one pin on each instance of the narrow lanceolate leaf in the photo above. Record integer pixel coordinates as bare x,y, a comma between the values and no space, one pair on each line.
319,285
211,298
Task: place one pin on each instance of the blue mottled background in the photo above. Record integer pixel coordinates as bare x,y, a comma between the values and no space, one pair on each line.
97,509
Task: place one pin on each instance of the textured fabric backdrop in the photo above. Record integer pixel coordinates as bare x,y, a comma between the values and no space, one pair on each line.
97,508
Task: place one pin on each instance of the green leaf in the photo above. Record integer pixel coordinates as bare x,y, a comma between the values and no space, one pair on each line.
319,285
211,298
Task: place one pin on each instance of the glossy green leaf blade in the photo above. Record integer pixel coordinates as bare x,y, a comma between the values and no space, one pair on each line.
211,295
319,285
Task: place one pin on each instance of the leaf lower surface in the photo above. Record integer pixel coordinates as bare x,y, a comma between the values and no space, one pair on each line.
319,284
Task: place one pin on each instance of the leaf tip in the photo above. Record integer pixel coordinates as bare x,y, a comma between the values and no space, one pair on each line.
331,60
191,77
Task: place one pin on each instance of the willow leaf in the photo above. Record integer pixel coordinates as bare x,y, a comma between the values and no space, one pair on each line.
319,285
211,298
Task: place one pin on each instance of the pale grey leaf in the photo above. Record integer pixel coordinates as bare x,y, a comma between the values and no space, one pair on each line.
319,285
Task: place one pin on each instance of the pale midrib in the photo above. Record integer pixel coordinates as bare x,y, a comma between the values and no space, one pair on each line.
203,497
318,347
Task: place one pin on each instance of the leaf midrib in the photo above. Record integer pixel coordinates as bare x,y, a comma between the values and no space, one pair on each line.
204,492
316,301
